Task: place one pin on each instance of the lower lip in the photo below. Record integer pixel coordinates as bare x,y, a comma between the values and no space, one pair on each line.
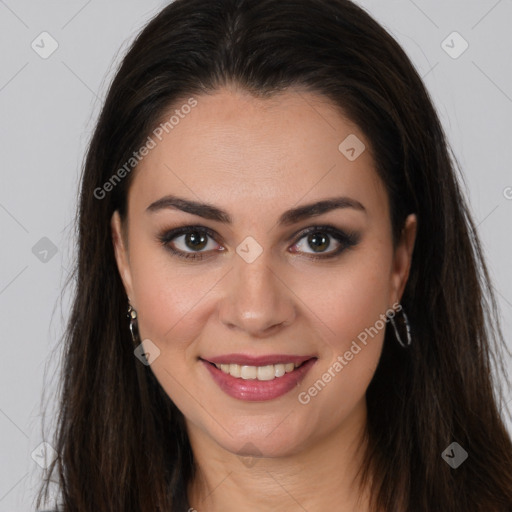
258,390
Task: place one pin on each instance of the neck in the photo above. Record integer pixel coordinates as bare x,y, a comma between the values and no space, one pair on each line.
226,482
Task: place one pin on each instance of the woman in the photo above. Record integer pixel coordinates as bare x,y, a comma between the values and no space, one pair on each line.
279,286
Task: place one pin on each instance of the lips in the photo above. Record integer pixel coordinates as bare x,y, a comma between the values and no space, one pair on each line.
252,389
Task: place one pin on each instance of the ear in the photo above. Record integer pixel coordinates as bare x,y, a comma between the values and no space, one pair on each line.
402,258
121,253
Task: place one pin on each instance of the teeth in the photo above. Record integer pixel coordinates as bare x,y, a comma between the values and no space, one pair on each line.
268,372
248,372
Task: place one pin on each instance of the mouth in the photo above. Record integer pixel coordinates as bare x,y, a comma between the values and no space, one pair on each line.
258,382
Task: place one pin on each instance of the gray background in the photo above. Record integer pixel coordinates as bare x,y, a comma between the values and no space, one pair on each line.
49,107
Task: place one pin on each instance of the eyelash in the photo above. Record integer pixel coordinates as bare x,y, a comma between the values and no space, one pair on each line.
346,240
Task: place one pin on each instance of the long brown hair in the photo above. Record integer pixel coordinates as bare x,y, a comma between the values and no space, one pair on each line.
121,441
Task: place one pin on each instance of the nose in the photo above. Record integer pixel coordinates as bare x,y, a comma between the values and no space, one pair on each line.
256,300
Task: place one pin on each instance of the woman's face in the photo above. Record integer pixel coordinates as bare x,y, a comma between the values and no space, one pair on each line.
254,289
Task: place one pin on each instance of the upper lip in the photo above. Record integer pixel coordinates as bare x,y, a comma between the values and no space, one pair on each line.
247,360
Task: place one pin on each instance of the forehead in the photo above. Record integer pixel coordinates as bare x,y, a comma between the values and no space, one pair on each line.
234,149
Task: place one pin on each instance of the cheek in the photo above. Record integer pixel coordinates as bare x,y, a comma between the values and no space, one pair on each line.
349,299
352,311
171,303
361,299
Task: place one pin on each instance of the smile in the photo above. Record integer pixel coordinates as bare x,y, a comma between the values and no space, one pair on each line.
258,382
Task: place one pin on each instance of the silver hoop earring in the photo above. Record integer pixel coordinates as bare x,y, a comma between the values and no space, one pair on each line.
407,330
134,330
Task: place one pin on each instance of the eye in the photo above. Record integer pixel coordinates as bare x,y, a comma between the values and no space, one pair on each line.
195,241
194,238
319,238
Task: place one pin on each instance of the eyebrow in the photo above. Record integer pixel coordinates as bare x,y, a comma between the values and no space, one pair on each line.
289,217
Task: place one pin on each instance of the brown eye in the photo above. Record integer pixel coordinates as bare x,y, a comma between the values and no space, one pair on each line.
191,242
319,240
188,242
195,240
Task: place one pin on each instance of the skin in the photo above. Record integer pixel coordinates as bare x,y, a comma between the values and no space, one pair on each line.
256,158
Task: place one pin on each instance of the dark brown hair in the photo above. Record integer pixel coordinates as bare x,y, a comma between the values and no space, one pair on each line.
121,441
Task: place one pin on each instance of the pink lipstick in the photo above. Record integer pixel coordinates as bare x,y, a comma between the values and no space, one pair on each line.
258,378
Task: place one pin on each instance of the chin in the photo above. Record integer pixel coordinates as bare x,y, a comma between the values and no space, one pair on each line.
276,440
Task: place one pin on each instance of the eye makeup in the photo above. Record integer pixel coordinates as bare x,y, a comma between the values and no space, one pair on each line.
345,240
